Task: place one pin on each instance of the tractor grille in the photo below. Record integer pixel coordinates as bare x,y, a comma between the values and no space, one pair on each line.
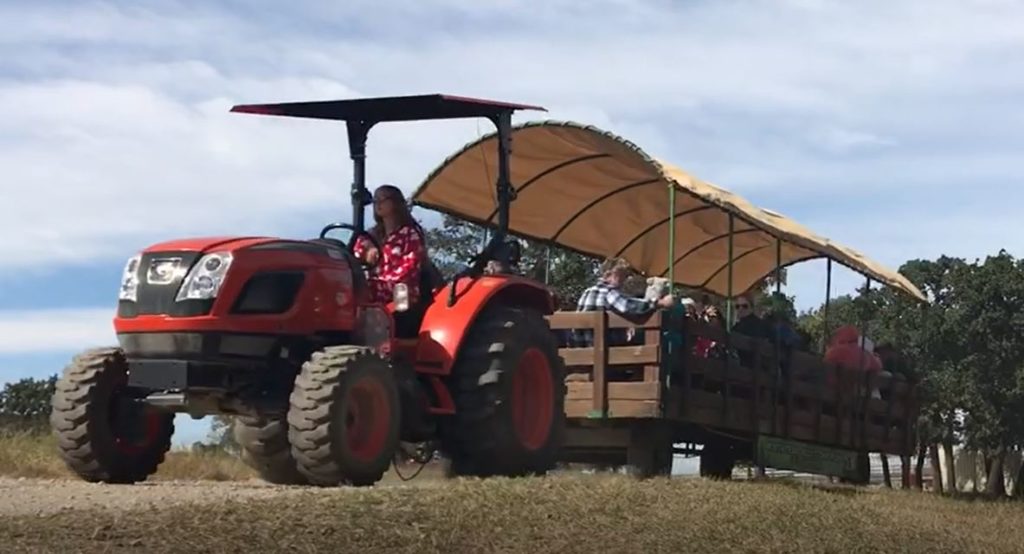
158,289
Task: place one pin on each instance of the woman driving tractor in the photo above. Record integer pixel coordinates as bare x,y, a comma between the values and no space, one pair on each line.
402,241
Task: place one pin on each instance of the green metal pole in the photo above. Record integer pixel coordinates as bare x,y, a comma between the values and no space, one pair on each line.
828,299
672,236
728,306
547,266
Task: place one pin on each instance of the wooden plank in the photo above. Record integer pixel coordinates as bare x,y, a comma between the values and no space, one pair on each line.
582,409
705,408
600,397
652,371
616,321
616,355
573,320
877,407
590,320
616,391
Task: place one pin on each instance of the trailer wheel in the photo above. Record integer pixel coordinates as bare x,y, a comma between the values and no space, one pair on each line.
717,461
265,448
343,422
103,433
509,390
649,453
863,473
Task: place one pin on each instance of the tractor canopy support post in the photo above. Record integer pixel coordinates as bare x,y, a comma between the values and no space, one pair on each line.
357,133
503,122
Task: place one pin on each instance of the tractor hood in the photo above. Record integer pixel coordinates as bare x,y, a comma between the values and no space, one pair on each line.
207,244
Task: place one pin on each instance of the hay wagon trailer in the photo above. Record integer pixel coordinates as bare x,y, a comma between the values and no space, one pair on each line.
590,191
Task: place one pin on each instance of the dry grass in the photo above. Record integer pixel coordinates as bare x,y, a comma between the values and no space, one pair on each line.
33,455
26,454
556,514
564,513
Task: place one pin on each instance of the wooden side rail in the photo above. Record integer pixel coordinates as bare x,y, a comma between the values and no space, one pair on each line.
810,400
603,379
779,392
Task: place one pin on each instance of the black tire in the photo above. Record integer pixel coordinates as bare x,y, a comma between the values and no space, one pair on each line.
481,439
717,461
330,391
863,473
265,448
102,434
649,453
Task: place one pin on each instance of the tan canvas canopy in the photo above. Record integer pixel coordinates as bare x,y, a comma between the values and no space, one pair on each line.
599,194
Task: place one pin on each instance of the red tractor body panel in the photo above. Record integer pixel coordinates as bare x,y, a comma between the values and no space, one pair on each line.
325,300
444,328
207,244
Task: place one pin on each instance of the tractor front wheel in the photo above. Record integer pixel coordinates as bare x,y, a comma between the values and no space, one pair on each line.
103,433
265,448
344,417
509,391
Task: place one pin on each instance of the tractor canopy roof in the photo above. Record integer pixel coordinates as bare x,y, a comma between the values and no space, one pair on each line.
393,108
591,191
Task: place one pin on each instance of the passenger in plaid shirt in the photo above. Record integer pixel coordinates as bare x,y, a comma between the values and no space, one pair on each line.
608,295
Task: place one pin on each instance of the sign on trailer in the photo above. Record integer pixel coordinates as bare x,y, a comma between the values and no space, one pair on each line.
800,456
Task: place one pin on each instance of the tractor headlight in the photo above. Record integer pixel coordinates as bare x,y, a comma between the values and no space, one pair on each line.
205,278
130,280
400,295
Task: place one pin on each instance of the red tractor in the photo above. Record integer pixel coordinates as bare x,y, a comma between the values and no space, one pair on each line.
326,387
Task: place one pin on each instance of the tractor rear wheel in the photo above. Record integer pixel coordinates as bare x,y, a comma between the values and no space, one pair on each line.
265,448
509,390
343,423
103,434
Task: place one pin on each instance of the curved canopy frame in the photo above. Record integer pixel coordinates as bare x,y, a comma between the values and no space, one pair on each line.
599,194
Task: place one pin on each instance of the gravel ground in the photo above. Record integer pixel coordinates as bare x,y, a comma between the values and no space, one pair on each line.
50,496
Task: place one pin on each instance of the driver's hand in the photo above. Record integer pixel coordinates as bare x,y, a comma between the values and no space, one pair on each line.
371,255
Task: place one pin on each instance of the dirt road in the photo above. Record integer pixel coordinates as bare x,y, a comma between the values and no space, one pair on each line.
50,496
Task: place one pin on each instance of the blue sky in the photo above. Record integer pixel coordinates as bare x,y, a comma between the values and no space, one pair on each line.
893,127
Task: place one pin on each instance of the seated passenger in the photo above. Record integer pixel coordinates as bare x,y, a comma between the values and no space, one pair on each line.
747,321
402,239
847,350
607,294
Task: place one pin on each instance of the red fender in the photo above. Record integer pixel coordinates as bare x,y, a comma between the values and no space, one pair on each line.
444,328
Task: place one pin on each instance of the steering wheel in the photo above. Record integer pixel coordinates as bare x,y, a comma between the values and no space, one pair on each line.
352,241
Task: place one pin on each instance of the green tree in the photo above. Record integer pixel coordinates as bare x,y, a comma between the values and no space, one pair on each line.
456,241
988,317
25,404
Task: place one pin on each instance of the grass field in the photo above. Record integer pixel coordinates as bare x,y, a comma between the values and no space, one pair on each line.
34,455
564,513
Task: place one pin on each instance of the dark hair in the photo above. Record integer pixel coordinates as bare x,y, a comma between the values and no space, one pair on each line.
404,213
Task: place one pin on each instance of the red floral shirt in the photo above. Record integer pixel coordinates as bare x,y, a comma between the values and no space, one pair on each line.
400,261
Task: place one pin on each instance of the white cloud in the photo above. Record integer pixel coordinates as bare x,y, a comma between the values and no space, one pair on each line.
114,129
71,329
